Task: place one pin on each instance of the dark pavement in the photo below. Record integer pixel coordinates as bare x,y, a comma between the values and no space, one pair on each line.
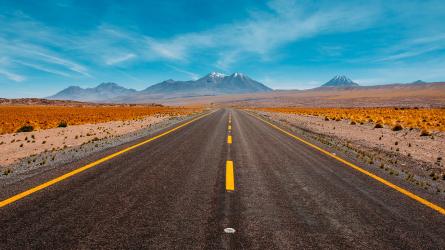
170,193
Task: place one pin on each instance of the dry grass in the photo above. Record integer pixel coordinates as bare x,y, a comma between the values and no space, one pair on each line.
13,118
425,119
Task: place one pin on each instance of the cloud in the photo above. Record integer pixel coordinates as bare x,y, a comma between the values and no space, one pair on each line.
75,67
260,35
12,76
43,68
413,47
264,32
192,75
120,59
30,43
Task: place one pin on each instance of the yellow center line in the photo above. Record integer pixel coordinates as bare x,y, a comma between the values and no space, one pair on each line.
229,139
230,127
230,181
90,165
373,176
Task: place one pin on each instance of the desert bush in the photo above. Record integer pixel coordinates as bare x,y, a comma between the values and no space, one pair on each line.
424,133
26,128
7,171
397,127
62,124
378,125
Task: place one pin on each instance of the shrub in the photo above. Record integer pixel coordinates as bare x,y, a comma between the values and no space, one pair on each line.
352,123
26,128
378,125
397,127
63,124
424,133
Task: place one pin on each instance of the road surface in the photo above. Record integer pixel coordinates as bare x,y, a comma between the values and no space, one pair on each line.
175,192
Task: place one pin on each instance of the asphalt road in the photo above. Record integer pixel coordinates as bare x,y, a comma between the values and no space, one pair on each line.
171,193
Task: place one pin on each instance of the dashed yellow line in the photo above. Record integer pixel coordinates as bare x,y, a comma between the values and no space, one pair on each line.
229,139
90,165
373,176
230,180
230,127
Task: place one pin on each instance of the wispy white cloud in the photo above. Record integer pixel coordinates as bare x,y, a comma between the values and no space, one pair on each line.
412,47
264,32
32,44
12,76
120,59
192,75
75,67
43,68
259,35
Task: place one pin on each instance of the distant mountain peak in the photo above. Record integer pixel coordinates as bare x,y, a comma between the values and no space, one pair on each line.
216,75
237,74
340,81
214,83
419,81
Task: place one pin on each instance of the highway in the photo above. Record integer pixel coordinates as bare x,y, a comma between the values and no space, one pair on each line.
188,187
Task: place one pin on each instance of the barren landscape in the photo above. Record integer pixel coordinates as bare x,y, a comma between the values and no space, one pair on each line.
392,95
191,124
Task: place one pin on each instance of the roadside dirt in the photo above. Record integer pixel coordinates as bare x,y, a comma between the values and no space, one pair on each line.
22,152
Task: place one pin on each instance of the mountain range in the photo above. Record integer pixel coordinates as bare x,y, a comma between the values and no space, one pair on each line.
211,84
102,92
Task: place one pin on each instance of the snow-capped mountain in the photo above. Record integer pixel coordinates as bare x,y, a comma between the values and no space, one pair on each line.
212,84
340,81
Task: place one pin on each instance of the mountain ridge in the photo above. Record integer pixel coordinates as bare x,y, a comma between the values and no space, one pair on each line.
103,91
211,84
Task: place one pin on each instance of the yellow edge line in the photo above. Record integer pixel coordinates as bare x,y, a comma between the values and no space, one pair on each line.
387,183
90,165
230,182
229,139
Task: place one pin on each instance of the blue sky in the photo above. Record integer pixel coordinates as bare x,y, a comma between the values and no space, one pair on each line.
46,46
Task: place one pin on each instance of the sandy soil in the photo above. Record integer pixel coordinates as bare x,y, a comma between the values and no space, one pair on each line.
423,148
14,147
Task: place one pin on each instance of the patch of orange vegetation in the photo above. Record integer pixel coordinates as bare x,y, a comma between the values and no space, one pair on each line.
432,119
43,117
